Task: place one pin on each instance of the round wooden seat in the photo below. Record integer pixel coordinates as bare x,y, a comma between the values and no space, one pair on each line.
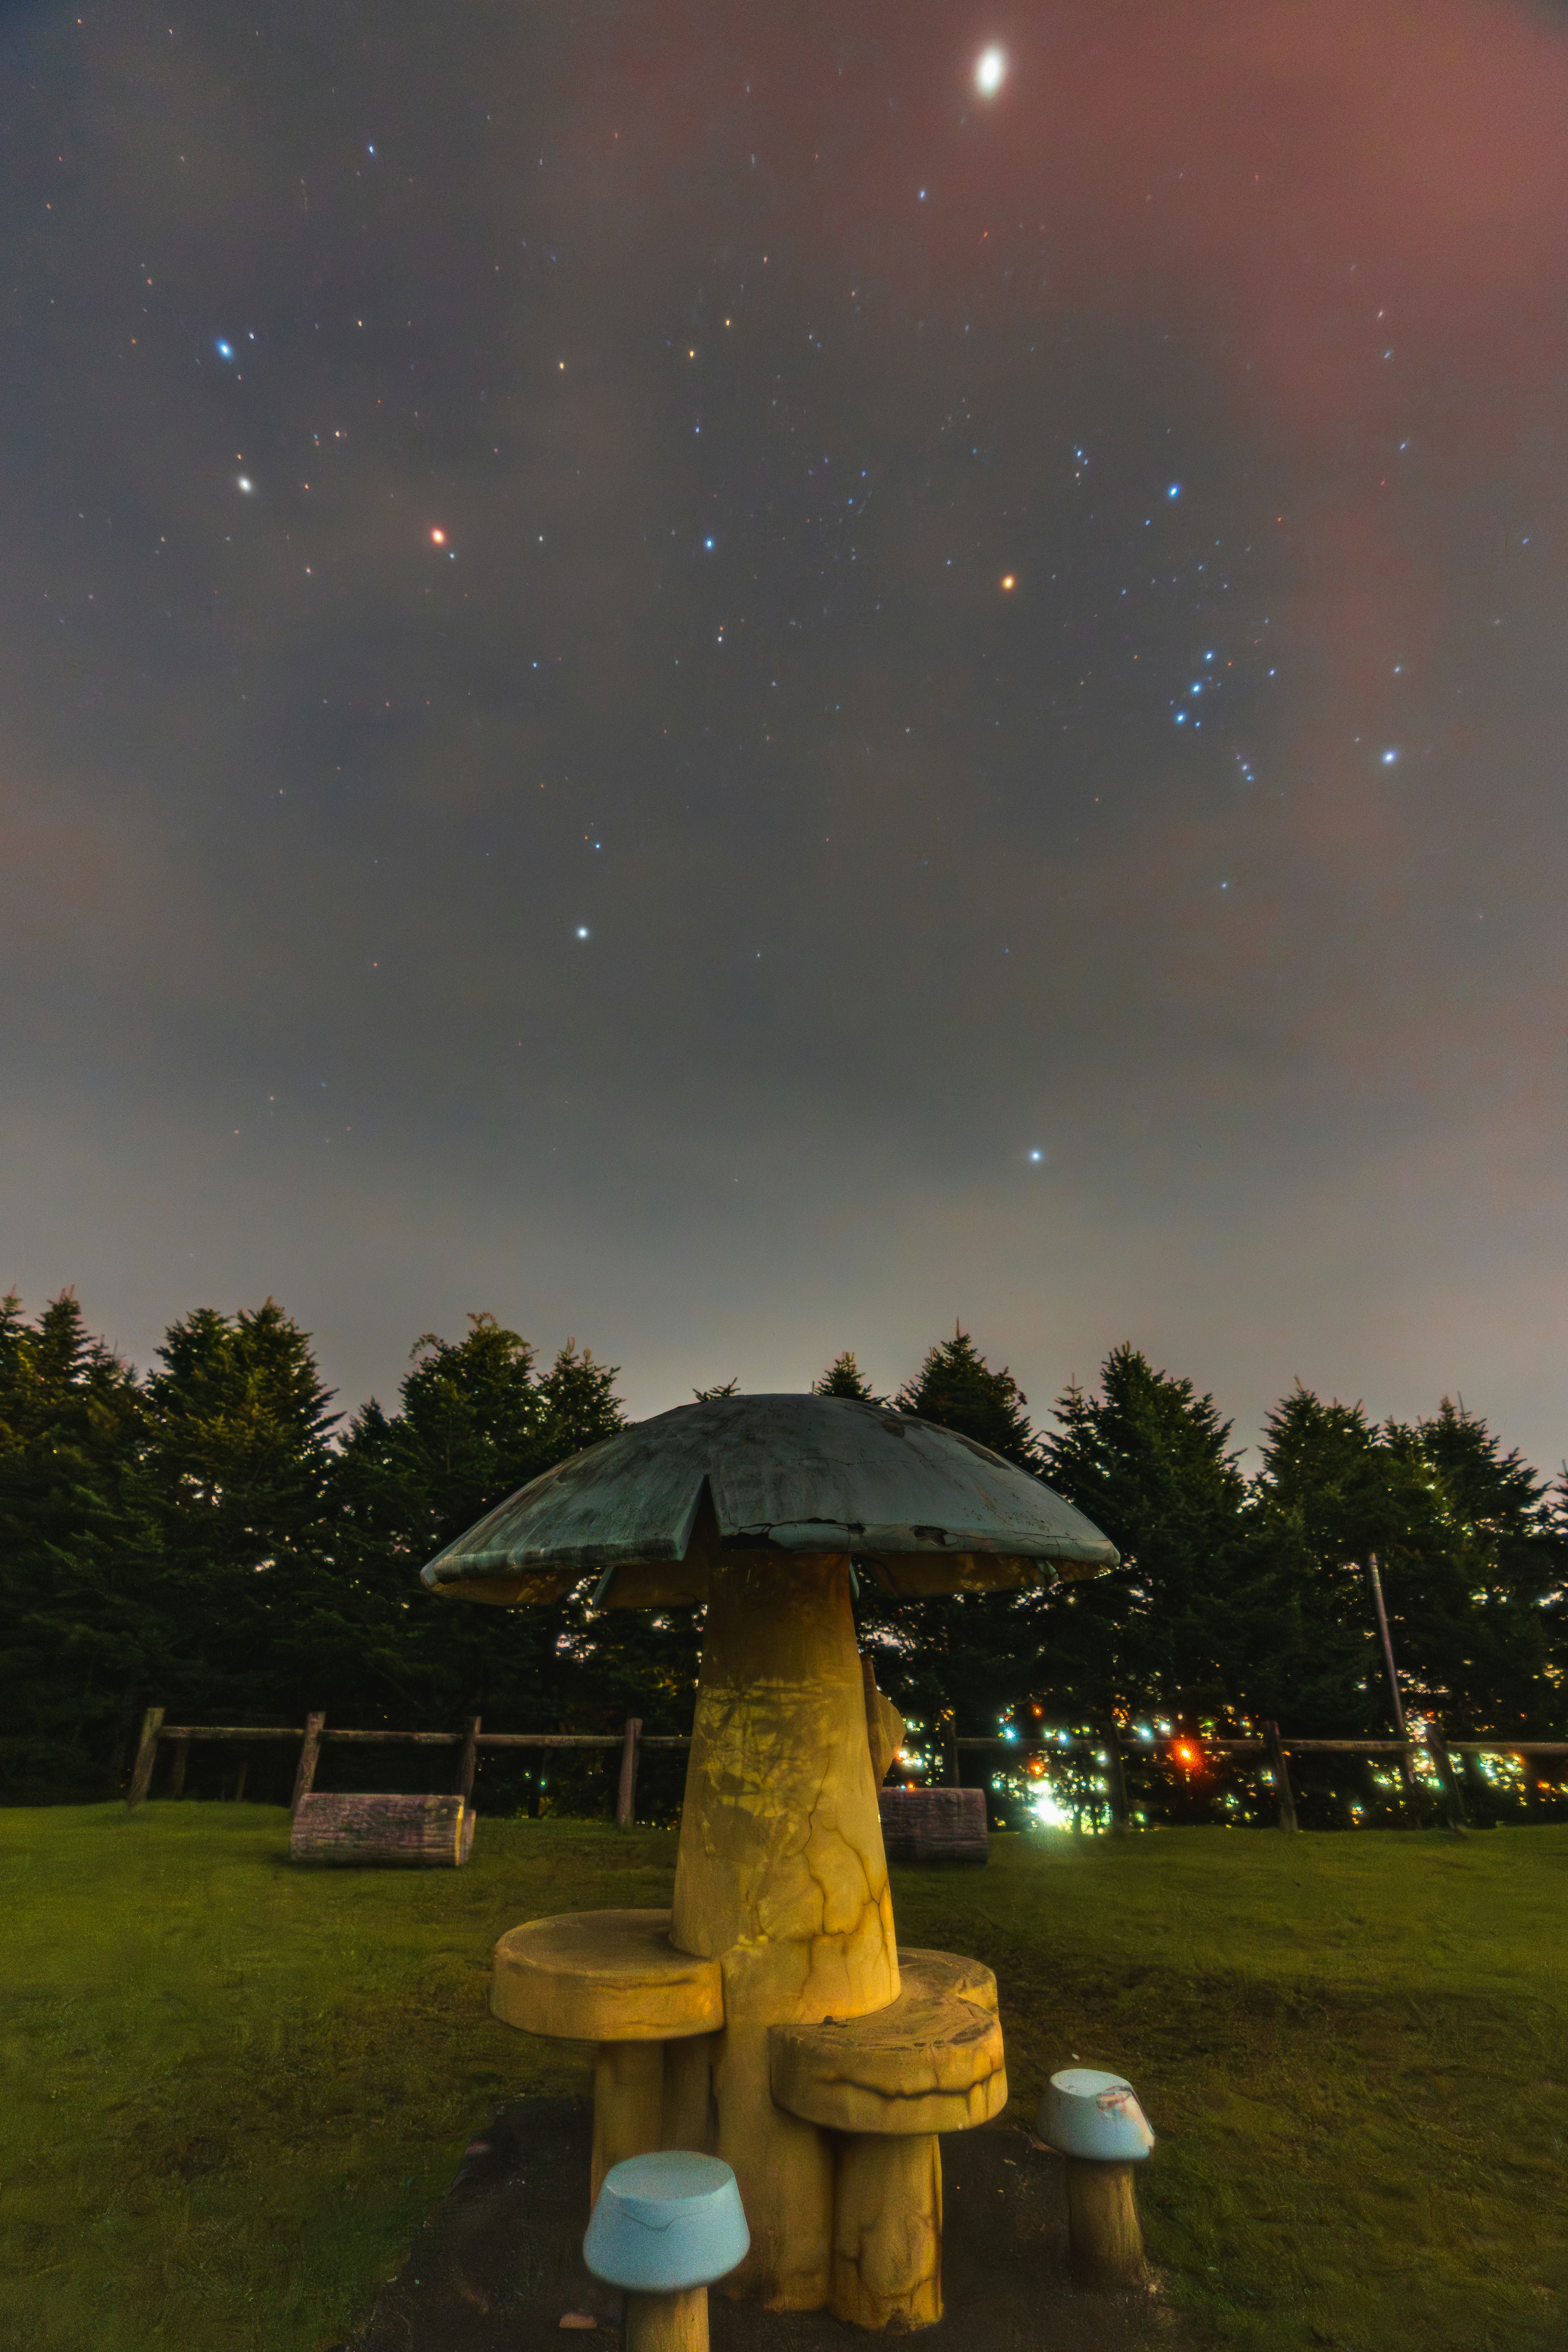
930,2062
604,1976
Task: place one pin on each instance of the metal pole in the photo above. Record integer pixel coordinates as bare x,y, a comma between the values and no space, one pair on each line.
1406,1761
1387,1645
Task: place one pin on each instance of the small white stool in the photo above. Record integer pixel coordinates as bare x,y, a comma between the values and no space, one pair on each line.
1096,2122
665,2227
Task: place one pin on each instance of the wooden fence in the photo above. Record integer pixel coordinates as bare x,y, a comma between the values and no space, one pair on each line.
1108,1748
314,1736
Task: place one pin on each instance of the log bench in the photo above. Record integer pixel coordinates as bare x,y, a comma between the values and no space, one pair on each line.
429,1832
925,1825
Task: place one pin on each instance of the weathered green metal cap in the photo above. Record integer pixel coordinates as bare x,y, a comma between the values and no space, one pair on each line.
920,1508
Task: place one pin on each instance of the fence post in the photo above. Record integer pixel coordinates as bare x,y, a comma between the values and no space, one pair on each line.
1274,1748
1450,1798
309,1748
1116,1781
464,1786
181,1757
146,1757
951,1744
627,1794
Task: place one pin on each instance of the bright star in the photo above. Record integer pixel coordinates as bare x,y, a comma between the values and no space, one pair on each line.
1008,581
244,483
991,72
1037,1155
582,930
1174,491
225,351
1389,758
707,543
439,538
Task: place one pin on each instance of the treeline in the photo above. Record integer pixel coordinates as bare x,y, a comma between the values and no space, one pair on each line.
212,1536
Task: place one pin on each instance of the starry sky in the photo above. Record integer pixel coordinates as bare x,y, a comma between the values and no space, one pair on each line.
740,680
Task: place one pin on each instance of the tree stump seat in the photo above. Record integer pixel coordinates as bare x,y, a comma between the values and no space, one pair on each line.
888,2083
432,1831
614,1978
926,1825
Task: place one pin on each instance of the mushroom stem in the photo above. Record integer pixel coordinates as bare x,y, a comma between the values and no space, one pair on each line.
1102,2223
628,2105
667,2323
887,2232
780,1876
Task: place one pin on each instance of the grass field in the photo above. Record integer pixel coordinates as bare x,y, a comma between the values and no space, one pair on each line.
231,2088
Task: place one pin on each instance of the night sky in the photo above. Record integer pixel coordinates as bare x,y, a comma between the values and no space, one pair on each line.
664,670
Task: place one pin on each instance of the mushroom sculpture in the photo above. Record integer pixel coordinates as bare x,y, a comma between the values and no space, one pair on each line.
769,2018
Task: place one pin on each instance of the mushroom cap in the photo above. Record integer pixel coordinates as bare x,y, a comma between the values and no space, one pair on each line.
922,1508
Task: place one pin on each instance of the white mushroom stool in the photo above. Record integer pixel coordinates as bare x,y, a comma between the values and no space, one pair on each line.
1095,2121
665,2228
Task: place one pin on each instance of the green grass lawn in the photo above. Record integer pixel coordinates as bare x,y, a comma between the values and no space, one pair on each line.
231,2088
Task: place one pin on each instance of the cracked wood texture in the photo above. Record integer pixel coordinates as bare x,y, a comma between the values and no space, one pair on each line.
604,1976
430,1831
887,2231
930,2062
667,2323
780,1877
1102,2222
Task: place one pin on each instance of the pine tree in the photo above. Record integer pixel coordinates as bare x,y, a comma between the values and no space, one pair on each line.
956,1388
844,1378
1149,1461
475,1423
234,1473
83,1627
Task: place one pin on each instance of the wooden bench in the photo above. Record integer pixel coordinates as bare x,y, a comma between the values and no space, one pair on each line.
925,1825
428,1832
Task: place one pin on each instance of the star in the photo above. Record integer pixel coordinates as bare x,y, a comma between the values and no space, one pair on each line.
991,71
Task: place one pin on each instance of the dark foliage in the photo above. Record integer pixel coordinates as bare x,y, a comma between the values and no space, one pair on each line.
212,1537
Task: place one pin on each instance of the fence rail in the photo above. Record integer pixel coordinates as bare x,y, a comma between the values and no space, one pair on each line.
1109,1746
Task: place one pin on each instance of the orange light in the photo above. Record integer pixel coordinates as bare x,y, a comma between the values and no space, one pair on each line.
1186,1754
1008,581
439,538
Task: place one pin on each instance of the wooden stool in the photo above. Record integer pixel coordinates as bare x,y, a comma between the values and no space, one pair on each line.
930,2062
614,1978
